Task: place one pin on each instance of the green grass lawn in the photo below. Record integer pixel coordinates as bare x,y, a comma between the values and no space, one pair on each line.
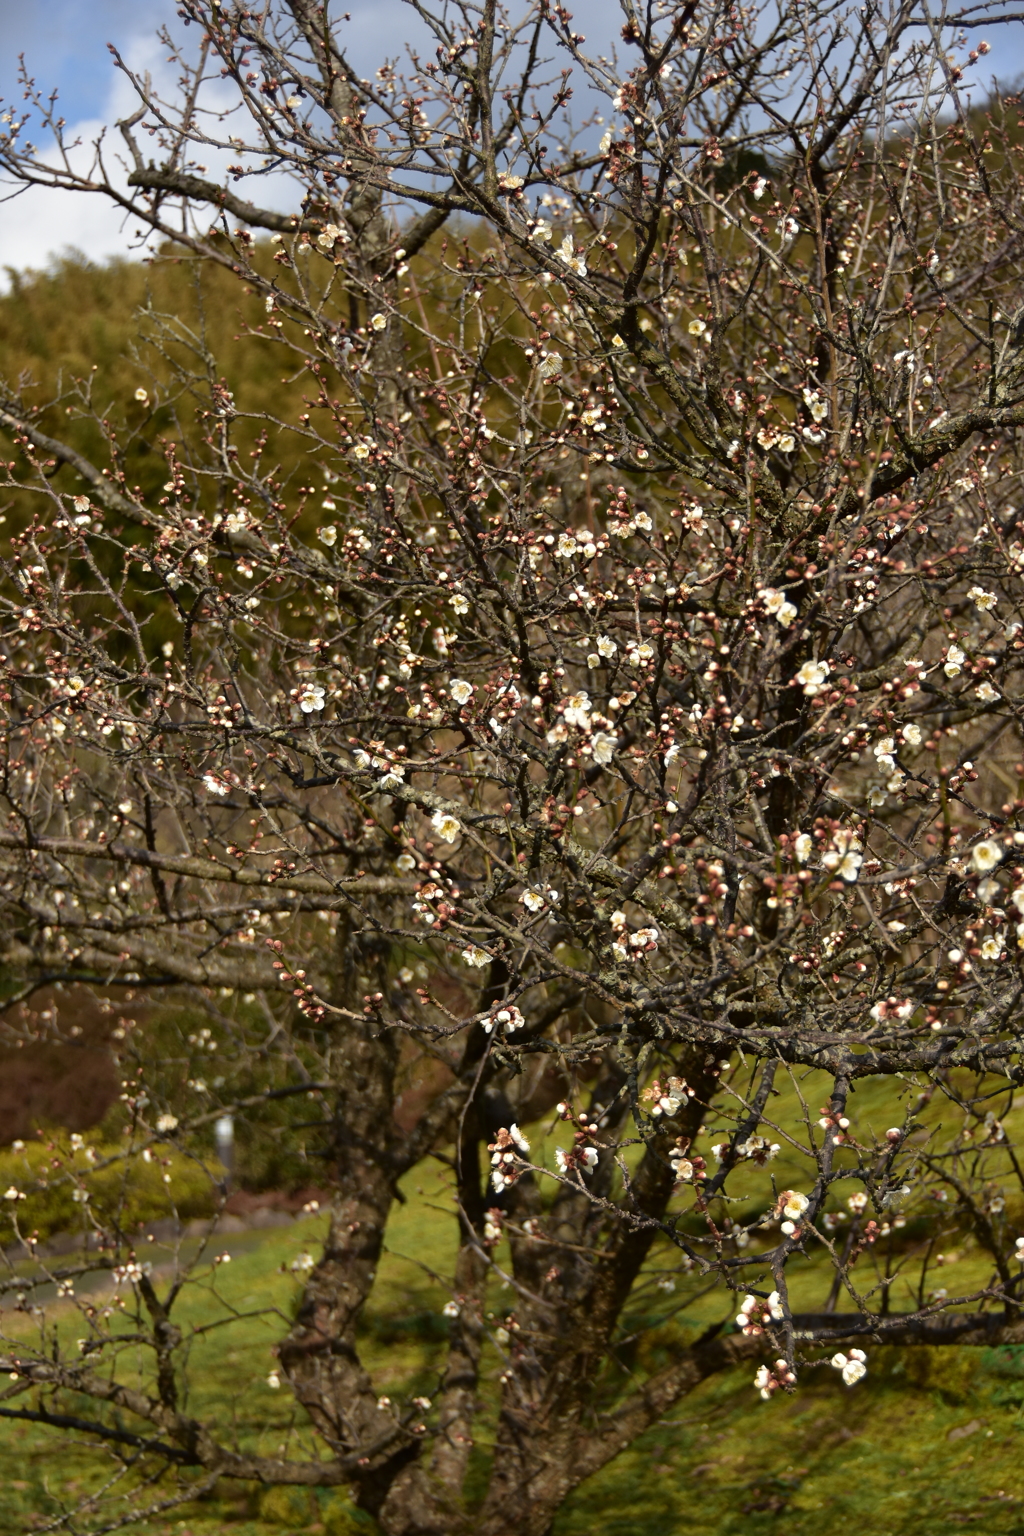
931,1440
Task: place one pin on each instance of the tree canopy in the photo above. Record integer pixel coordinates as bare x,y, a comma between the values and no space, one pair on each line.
574,695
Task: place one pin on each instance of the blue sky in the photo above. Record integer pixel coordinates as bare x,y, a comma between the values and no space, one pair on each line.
65,45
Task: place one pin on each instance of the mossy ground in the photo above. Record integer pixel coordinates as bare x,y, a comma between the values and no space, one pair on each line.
932,1439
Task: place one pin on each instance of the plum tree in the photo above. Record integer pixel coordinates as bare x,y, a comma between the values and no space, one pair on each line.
594,701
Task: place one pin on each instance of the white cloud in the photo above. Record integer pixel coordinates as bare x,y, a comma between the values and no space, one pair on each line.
39,222
61,41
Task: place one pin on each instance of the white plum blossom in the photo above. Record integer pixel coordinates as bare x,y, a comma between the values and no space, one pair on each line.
602,747
811,677
475,956
954,661
986,693
215,784
696,327
852,1365
167,1122
311,698
550,364
986,601
816,404
446,825
460,690
985,856
567,253
769,1380
883,750
911,735
632,946
846,858
778,605
506,1146
508,1019
606,647
669,1097
758,1150
794,1204
848,867
459,603
803,847
991,949
894,1010
754,1313
577,710
132,1272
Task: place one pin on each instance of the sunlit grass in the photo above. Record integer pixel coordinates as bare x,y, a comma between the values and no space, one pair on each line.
929,1440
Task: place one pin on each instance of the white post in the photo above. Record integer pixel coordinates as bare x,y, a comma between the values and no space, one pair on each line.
224,1131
